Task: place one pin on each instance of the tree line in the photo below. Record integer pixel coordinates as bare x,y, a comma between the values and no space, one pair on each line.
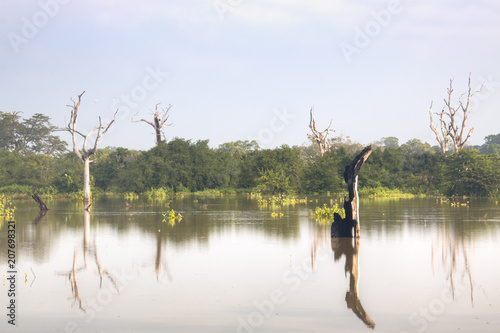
33,159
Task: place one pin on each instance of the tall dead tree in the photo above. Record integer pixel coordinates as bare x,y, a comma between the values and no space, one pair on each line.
159,121
452,129
349,226
86,153
321,138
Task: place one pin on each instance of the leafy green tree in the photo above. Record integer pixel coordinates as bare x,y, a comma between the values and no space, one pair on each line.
11,167
37,137
68,173
346,143
239,147
382,169
389,142
10,127
322,174
491,145
471,174
109,165
273,181
29,136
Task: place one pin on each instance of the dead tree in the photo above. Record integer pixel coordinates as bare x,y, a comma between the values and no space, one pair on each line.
86,153
159,121
43,207
452,129
443,139
344,227
319,137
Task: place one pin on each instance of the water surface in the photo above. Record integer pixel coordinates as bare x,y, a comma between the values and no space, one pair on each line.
232,266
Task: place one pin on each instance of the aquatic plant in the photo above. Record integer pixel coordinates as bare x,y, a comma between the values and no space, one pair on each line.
326,213
131,196
171,217
7,209
160,193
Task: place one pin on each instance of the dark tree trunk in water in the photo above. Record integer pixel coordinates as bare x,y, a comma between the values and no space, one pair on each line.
344,227
40,202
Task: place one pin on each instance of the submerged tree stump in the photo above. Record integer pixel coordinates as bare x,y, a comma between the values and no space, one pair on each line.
349,226
39,201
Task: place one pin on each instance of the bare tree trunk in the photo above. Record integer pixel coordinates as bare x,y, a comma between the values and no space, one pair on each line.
157,128
343,227
86,184
159,121
85,154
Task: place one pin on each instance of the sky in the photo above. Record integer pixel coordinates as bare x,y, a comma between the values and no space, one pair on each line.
251,69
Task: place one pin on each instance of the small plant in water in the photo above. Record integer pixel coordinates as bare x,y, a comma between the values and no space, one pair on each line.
325,213
172,217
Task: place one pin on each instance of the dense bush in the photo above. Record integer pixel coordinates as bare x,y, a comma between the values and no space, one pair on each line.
181,165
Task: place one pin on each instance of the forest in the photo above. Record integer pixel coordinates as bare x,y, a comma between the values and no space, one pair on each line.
34,159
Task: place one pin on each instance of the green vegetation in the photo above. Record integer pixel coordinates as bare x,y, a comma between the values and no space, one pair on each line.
171,217
279,200
326,213
6,208
38,162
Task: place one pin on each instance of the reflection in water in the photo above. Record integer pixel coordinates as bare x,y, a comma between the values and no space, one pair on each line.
350,248
452,247
212,287
158,260
39,217
89,250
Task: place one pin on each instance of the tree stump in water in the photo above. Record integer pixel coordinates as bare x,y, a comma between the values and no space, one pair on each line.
39,201
344,227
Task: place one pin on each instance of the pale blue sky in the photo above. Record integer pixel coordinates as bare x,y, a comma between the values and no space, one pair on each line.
251,69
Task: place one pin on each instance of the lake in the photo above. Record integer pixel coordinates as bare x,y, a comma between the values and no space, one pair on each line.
232,265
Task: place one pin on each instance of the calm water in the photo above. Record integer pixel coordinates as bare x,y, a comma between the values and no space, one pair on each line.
230,266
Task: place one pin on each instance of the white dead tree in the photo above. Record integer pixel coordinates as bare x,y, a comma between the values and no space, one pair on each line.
159,121
452,129
86,153
321,138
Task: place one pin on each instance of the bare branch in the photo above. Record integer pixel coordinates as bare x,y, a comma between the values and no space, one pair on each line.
71,125
320,137
138,121
159,122
452,127
442,140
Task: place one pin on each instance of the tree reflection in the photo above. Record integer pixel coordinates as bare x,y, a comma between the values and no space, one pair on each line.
349,248
451,248
159,263
89,252
39,217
